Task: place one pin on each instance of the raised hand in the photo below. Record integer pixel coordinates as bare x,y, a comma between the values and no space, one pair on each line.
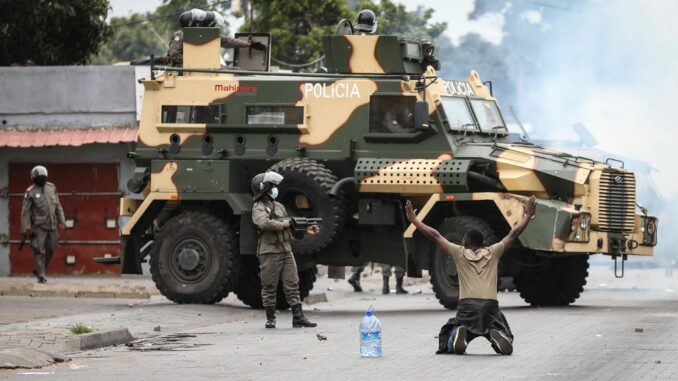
411,215
530,206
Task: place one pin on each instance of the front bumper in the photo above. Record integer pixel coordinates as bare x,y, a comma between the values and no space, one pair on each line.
611,244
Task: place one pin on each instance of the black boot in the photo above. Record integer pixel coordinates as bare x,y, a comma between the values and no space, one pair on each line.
385,290
399,286
270,316
354,281
298,318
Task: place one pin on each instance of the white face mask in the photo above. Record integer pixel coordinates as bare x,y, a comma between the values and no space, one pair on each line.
274,193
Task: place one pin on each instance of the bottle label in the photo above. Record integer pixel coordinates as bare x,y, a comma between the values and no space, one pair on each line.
376,335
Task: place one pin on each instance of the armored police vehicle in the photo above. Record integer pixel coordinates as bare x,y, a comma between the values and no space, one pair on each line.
353,142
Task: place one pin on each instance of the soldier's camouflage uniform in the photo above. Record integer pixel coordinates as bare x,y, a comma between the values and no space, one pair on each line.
41,211
275,252
176,47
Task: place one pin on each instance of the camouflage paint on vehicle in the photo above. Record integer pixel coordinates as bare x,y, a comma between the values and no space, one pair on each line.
584,206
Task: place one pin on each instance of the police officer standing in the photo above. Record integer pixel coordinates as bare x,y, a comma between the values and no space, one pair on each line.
40,213
274,250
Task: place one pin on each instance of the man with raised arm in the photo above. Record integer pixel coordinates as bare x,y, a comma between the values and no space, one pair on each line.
478,313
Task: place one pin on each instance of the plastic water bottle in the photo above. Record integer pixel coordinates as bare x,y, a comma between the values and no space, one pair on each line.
370,335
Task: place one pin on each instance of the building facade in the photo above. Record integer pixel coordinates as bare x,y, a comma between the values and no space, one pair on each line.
79,122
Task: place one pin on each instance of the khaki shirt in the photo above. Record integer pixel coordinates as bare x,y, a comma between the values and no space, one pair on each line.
477,270
274,238
41,208
176,46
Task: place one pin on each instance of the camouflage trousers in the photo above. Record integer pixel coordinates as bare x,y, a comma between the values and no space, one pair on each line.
44,242
386,270
276,267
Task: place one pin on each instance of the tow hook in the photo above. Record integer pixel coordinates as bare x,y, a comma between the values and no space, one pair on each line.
624,257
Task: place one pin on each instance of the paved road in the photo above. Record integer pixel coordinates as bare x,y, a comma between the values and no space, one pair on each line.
595,339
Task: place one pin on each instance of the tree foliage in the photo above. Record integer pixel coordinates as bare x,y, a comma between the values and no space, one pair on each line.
140,35
297,26
394,19
51,32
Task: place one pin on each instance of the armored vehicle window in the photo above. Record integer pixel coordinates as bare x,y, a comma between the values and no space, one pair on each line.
488,115
458,113
392,113
275,115
190,114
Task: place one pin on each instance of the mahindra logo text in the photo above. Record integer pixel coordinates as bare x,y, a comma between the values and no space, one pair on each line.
235,88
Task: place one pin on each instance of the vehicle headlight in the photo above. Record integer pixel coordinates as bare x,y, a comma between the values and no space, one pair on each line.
579,228
648,226
651,227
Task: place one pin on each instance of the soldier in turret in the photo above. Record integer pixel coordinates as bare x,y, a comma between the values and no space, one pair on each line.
200,18
40,213
366,22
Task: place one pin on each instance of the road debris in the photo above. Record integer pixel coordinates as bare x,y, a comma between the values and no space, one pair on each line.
320,337
639,330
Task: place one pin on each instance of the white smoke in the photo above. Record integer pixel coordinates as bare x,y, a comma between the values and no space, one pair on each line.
614,67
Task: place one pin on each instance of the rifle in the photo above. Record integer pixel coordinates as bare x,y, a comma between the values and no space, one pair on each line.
300,224
23,241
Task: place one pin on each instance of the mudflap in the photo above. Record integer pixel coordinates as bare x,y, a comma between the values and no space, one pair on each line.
130,248
248,235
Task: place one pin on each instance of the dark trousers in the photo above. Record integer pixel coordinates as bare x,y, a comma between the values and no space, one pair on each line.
43,242
275,266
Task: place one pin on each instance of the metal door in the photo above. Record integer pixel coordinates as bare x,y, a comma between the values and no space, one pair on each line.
90,196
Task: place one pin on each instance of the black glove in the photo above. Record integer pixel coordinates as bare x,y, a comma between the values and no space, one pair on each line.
256,45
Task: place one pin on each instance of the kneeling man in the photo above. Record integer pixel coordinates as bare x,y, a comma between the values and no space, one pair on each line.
478,313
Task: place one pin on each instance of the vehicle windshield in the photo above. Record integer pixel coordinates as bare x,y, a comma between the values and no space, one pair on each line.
488,116
458,113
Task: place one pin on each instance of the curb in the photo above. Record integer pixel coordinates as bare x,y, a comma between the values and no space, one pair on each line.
13,291
99,339
28,358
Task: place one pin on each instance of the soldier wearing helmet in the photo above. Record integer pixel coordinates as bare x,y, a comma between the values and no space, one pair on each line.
274,250
40,213
366,22
200,18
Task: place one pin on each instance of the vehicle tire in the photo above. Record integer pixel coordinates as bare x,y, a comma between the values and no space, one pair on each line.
304,192
556,282
193,259
249,284
442,269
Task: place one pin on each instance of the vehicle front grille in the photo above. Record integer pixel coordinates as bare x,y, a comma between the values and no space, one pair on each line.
617,201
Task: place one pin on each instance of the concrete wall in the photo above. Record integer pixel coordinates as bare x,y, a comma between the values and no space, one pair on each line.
92,153
67,96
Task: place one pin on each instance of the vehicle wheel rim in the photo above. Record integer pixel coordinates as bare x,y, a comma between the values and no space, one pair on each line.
190,259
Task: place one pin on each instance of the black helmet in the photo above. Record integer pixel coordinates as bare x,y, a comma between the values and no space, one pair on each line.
38,170
264,182
199,18
367,22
